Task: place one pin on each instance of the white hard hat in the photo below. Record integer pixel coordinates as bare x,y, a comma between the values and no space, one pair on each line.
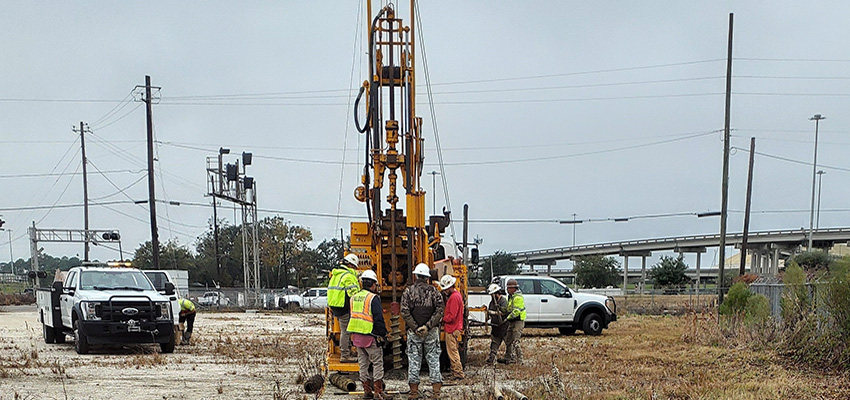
369,274
422,270
447,281
352,259
493,288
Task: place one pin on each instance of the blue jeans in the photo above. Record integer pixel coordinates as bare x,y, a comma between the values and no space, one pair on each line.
431,345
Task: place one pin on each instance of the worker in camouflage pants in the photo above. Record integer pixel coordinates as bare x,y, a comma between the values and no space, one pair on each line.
422,310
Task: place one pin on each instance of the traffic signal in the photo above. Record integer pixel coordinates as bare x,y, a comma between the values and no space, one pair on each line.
111,236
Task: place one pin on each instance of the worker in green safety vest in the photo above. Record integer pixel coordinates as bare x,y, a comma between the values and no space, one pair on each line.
368,334
187,315
516,323
342,286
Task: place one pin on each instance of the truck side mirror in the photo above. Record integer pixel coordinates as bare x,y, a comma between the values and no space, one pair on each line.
474,256
566,293
169,288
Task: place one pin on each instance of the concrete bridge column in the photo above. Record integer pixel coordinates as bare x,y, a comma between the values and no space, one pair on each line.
625,273
757,261
642,274
699,256
774,266
753,266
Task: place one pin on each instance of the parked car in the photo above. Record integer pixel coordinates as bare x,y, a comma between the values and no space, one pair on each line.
289,298
315,298
211,299
551,304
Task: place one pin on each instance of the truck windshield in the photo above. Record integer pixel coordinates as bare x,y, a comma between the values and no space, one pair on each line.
114,280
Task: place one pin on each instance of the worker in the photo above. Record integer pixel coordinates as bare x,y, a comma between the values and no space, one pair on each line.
342,286
453,324
516,322
496,312
187,315
422,311
368,334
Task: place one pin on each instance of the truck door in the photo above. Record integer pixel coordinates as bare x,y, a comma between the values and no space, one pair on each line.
66,299
532,297
555,306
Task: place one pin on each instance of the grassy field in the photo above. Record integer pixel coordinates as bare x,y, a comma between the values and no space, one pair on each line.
646,357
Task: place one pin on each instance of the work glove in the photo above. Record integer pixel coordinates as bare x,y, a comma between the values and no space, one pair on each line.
422,331
379,341
493,312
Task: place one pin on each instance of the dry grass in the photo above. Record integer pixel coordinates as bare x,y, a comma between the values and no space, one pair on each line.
646,357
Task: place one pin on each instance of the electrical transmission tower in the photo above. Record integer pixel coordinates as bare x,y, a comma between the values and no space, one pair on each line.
229,182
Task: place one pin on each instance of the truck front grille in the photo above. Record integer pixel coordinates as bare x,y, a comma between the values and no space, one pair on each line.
114,310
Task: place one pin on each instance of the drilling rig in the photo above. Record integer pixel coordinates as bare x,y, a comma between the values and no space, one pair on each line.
396,237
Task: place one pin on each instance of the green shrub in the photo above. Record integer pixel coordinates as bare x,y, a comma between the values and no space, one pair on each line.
736,300
757,310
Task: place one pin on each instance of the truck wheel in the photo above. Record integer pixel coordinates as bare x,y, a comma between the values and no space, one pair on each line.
567,331
81,342
49,334
168,347
592,324
58,335
293,307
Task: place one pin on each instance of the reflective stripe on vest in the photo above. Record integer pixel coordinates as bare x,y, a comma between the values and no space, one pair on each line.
186,305
516,306
343,280
361,313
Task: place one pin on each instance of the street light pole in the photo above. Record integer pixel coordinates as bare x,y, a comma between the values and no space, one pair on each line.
434,190
817,118
820,186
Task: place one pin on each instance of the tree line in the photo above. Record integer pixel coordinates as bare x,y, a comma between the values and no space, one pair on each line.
284,253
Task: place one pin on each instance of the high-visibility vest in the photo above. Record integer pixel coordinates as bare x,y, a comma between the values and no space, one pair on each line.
516,306
186,305
343,280
361,313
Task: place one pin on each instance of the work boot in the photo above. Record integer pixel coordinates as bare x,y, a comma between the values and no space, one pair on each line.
379,391
367,390
414,391
435,389
186,337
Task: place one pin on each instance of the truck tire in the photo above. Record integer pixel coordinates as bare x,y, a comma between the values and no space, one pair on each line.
567,331
81,342
168,348
49,334
592,324
58,335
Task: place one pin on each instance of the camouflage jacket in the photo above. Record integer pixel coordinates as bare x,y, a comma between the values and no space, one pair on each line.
422,304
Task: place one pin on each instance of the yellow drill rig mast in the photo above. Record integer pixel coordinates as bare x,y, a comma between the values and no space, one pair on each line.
395,239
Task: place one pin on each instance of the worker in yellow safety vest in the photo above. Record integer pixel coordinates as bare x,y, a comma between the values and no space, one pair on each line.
368,333
342,286
187,315
516,323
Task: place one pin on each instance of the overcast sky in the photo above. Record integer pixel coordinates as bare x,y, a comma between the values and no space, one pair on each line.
544,110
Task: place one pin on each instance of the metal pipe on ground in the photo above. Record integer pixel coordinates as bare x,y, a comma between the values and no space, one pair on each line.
343,382
497,393
314,383
516,395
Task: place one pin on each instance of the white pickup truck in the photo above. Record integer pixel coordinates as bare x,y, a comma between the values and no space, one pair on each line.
106,305
551,304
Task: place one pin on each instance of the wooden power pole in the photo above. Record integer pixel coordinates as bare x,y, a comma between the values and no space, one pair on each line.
725,185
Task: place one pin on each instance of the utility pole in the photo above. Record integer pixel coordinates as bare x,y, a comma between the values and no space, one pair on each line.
747,212
151,188
215,236
817,118
574,230
725,185
85,188
820,186
11,257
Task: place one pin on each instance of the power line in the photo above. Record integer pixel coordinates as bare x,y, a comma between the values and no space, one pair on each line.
791,160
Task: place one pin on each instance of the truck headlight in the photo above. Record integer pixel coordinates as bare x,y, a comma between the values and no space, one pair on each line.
91,310
164,310
611,304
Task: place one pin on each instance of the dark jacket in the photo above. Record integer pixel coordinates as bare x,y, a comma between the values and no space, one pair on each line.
497,321
422,304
